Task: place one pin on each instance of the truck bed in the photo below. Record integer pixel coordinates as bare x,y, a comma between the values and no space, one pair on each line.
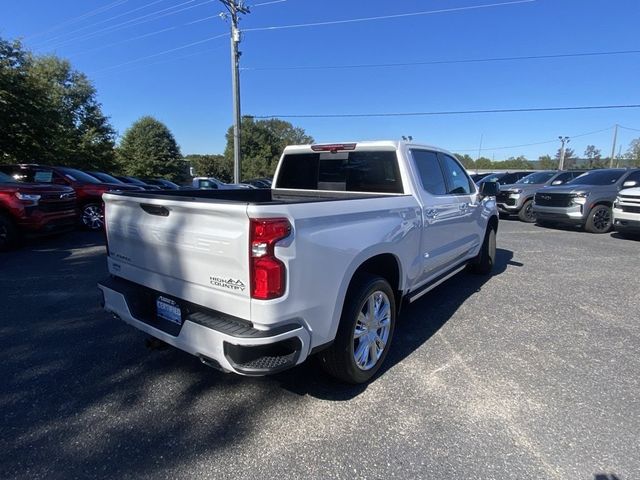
252,196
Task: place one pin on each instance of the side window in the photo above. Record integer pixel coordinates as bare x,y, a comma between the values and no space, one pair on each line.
633,177
563,178
458,183
430,172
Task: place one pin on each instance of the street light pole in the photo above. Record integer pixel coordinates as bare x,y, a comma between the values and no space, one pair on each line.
613,149
564,141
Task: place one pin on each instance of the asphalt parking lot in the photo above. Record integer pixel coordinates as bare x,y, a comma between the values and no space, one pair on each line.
532,373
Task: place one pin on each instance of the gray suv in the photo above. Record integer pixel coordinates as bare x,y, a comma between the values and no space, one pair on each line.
517,198
585,201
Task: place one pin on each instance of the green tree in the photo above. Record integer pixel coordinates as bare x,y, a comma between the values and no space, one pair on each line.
594,157
466,160
148,149
211,166
569,157
520,163
261,144
633,153
49,112
545,162
484,163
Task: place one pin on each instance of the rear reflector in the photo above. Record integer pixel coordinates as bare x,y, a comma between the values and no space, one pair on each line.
333,147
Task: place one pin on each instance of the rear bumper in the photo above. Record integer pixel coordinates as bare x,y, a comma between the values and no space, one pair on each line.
228,343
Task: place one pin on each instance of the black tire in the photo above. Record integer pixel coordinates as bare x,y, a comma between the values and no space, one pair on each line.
486,259
600,219
9,233
526,213
339,360
92,217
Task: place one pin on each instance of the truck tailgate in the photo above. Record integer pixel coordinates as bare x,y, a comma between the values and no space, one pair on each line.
196,249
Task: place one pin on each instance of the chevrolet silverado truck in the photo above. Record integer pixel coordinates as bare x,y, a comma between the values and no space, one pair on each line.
517,198
254,281
585,201
33,209
626,212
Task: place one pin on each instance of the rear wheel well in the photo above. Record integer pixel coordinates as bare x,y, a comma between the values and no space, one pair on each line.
385,266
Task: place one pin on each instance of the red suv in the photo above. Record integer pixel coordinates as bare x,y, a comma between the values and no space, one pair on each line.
34,209
88,189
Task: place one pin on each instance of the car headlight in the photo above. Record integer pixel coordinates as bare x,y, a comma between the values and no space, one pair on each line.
28,198
580,198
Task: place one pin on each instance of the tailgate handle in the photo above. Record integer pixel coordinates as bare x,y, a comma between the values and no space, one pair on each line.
155,209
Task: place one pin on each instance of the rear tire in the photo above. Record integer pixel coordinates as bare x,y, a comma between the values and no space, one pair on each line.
526,213
600,219
484,262
8,233
365,331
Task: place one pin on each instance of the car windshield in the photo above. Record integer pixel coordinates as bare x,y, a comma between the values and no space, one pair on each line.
135,181
536,178
4,178
493,178
105,177
598,177
77,175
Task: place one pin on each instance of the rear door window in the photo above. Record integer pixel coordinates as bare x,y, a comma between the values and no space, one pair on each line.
430,172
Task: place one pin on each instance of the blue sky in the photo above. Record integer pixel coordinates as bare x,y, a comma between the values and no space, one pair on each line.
189,88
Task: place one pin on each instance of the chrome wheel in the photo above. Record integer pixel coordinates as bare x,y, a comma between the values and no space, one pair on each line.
371,333
92,217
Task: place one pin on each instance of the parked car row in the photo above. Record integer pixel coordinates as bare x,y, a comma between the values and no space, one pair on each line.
589,199
40,199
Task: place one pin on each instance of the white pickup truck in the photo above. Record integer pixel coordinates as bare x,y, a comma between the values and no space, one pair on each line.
255,281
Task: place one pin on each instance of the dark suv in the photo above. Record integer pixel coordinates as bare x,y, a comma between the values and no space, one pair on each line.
585,201
88,189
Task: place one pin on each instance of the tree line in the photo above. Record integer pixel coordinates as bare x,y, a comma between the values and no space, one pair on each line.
49,114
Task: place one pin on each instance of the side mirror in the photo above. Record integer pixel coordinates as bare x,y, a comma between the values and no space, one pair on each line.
489,189
629,184
557,182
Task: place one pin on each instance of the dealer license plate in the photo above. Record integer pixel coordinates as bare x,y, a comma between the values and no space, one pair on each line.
168,310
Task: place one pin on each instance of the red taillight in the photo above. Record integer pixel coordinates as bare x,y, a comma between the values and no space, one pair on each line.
268,277
333,147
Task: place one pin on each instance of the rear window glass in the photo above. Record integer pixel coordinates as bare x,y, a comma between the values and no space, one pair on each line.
43,176
375,172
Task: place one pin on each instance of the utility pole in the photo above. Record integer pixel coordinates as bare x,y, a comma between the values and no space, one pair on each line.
479,150
613,149
235,8
564,141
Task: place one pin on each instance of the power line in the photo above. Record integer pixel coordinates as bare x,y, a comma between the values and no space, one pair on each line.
136,60
627,128
532,144
106,20
89,14
384,17
133,22
443,62
266,3
452,112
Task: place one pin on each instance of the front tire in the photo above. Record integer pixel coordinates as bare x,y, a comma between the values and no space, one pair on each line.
365,331
486,259
599,220
92,217
526,213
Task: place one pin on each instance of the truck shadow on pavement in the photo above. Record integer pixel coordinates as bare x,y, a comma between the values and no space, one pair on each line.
417,323
82,396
